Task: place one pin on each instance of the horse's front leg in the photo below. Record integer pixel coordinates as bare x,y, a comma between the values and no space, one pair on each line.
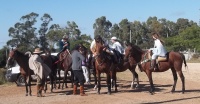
59,78
51,81
109,83
29,84
152,89
135,78
64,80
99,83
26,86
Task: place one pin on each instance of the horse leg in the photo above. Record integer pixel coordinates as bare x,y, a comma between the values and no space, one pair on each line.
183,80
109,83
135,77
99,83
26,86
64,79
29,84
58,78
45,88
149,74
175,79
51,81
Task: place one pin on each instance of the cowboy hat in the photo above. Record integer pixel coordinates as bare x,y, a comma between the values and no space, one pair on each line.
114,38
37,50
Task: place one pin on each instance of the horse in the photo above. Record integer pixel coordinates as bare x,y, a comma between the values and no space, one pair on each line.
135,55
103,62
65,63
22,60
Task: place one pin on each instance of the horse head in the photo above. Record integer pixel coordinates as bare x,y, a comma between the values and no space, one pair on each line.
99,45
12,56
133,54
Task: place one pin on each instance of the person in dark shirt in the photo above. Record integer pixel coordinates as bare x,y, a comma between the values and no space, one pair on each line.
64,44
77,59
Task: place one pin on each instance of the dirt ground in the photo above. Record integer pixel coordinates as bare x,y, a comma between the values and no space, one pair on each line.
11,94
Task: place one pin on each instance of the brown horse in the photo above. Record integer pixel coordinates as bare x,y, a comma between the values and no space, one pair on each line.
104,62
103,65
134,55
65,63
22,60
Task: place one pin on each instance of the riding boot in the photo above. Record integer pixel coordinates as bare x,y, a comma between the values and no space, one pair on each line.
75,90
82,93
153,64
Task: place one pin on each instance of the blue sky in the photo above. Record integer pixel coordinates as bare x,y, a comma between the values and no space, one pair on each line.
85,12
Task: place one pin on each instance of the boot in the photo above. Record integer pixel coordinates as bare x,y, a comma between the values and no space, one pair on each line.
153,64
82,93
75,90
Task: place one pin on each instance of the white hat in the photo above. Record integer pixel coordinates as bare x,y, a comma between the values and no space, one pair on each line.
114,38
37,50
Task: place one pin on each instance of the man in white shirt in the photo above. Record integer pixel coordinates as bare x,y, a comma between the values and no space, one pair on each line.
118,48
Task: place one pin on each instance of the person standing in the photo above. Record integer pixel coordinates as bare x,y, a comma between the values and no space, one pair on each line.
77,59
40,69
158,50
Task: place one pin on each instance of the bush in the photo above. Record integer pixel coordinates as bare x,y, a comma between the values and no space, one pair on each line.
2,76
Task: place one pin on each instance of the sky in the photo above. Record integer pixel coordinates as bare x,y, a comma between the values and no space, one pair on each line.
85,12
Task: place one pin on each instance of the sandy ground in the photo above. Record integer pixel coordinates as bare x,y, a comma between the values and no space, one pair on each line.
11,94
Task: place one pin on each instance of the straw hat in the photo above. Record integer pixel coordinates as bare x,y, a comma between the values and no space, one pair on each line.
37,50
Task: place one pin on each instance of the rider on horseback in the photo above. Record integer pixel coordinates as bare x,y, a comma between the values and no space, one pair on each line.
158,50
64,44
116,49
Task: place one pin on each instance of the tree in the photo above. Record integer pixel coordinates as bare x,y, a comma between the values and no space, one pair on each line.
46,19
102,27
23,33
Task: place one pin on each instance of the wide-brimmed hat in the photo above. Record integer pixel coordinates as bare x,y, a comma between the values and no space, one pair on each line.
114,38
37,50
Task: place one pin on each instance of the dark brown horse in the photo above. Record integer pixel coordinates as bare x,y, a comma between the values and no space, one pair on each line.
65,63
23,60
134,55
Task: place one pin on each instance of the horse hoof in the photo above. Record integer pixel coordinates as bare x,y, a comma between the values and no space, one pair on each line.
109,93
26,95
98,93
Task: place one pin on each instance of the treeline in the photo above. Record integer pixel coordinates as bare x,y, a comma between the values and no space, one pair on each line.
178,36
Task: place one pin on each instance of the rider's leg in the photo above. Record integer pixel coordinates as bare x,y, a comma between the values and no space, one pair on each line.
153,62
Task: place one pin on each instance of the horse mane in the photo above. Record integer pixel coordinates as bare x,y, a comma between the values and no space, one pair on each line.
135,47
20,53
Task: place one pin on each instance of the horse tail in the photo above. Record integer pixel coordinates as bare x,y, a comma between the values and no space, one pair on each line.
184,61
